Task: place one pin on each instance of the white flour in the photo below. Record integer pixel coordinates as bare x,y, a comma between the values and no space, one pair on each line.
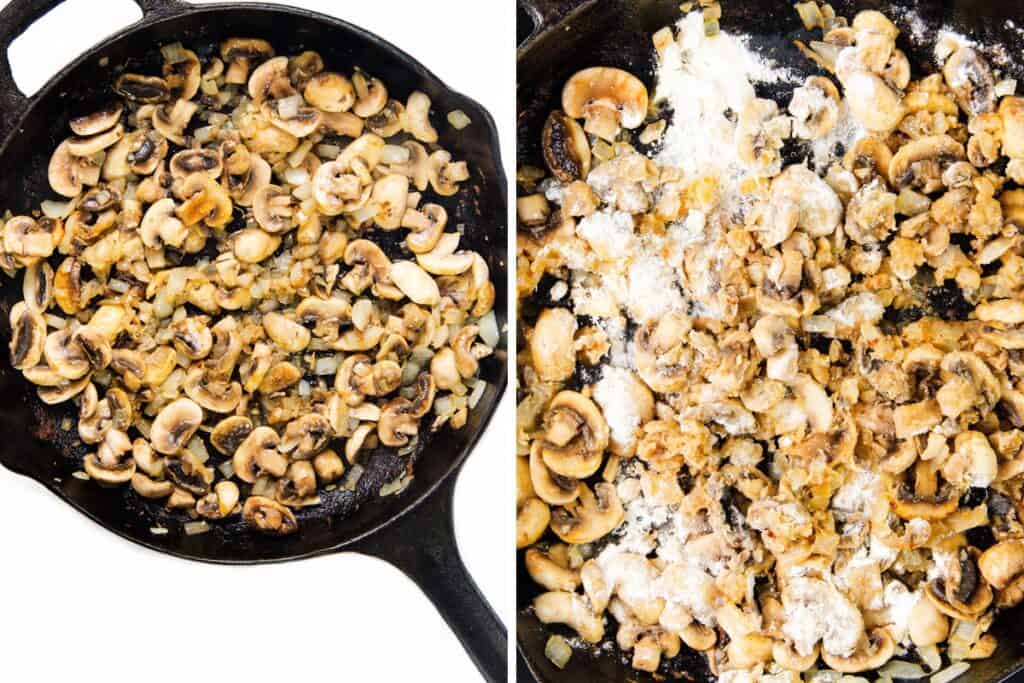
704,80
614,394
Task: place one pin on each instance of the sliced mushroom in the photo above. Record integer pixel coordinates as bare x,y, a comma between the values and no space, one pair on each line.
240,54
269,516
143,89
920,163
371,95
970,78
253,245
298,485
397,423
532,517
552,488
416,119
874,650
545,570
660,353
273,210
258,454
565,147
607,98
28,335
305,437
101,120
593,515
426,226
563,607
220,503
289,335
230,433
188,472
174,426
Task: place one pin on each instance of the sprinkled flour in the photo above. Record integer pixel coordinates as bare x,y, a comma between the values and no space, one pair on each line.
706,81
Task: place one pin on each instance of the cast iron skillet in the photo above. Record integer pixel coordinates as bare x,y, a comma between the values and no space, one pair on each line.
559,37
414,530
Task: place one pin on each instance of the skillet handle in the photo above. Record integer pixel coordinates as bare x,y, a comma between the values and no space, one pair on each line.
15,18
422,544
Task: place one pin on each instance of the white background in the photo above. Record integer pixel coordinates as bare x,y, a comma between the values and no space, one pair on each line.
75,600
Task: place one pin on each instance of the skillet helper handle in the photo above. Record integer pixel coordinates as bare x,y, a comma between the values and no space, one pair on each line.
17,16
422,544
161,7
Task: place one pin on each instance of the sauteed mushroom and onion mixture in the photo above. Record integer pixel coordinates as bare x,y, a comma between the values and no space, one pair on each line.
769,411
211,295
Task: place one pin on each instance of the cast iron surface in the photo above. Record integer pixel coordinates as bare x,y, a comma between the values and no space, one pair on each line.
563,36
413,530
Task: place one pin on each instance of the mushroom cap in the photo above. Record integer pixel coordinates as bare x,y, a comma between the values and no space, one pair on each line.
174,425
875,650
941,149
603,87
549,487
229,433
269,516
593,515
143,89
98,121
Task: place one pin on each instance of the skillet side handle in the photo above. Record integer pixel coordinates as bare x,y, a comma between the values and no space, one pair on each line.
17,16
422,544
161,7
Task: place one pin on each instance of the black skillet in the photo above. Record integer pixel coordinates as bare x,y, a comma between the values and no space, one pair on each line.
558,37
413,530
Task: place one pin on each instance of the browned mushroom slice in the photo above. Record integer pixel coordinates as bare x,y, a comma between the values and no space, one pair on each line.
175,425
875,649
593,515
240,55
98,121
970,78
961,593
143,89
607,98
269,516
565,147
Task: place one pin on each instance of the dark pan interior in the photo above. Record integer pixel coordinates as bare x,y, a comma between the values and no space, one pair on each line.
34,442
618,33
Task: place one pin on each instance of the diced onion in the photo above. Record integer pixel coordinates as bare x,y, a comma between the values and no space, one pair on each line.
288,108
1006,87
304,388
198,449
326,365
208,87
458,119
489,332
476,394
158,530
227,469
394,154
827,52
196,528
352,477
558,651
174,53
950,672
367,412
810,14
52,209
296,176
299,153
898,669
328,151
